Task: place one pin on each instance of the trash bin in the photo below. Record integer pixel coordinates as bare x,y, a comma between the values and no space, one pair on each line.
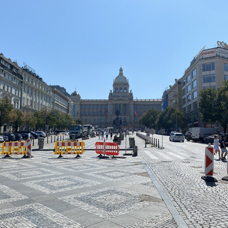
131,142
41,143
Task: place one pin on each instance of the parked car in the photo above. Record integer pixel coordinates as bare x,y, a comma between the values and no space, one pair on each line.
188,136
1,138
18,136
34,134
41,134
11,137
24,135
6,138
176,136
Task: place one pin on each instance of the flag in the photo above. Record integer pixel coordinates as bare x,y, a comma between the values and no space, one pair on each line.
107,113
136,114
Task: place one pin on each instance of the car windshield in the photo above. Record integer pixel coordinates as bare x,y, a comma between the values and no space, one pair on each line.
178,134
74,128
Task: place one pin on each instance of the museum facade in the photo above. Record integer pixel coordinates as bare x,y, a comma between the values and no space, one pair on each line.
102,112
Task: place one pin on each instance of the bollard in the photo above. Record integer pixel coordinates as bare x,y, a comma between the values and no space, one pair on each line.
60,137
145,142
47,139
33,142
63,137
135,151
51,139
158,143
209,165
54,138
154,141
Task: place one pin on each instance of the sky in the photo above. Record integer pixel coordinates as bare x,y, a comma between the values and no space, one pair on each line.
82,44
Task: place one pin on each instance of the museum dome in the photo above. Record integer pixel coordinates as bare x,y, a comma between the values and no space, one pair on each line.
121,78
75,93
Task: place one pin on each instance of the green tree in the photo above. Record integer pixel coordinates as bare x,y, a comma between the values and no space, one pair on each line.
149,118
17,118
208,105
30,120
79,121
222,105
5,110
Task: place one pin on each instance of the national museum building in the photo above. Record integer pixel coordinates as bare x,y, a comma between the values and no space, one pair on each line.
103,112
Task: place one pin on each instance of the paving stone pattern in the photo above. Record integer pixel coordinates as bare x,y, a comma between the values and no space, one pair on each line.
45,191
199,203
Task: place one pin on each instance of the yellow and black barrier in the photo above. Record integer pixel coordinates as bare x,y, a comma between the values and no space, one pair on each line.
61,148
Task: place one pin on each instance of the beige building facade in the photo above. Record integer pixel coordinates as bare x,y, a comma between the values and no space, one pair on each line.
102,112
208,69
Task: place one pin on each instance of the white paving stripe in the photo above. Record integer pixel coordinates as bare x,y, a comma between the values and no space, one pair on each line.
175,155
164,155
150,154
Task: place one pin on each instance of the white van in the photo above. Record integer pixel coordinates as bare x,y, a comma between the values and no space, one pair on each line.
176,136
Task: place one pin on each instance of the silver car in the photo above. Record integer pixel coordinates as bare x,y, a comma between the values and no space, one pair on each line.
176,136
1,139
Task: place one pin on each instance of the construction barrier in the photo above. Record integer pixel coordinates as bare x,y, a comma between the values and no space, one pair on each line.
111,148
17,148
209,165
69,148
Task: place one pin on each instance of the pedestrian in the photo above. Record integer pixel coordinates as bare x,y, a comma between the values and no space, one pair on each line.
99,134
106,135
216,146
111,135
223,148
102,134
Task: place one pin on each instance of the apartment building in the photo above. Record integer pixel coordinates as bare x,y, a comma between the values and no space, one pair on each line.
10,81
208,69
36,94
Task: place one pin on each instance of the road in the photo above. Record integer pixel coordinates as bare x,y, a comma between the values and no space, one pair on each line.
178,168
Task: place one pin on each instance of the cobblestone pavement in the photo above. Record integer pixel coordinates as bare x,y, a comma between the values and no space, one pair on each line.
178,169
45,191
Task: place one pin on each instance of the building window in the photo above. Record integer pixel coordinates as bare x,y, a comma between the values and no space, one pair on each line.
86,106
184,110
183,92
90,106
206,87
90,113
189,88
102,113
225,67
125,89
98,113
102,106
184,101
116,89
189,98
94,113
139,113
209,78
85,113
121,89
139,106
194,94
195,105
208,66
81,113
94,107
194,73
98,106
188,78
226,77
183,83
194,84
189,108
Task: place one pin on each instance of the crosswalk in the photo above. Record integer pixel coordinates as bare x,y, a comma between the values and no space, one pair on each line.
164,155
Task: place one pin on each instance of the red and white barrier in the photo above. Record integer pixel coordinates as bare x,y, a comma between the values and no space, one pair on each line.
209,164
29,147
68,143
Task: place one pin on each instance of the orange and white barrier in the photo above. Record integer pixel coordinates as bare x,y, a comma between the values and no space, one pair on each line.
110,148
17,148
209,164
69,148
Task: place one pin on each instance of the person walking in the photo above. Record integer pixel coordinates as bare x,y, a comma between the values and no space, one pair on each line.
106,135
223,148
111,135
216,146
102,133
